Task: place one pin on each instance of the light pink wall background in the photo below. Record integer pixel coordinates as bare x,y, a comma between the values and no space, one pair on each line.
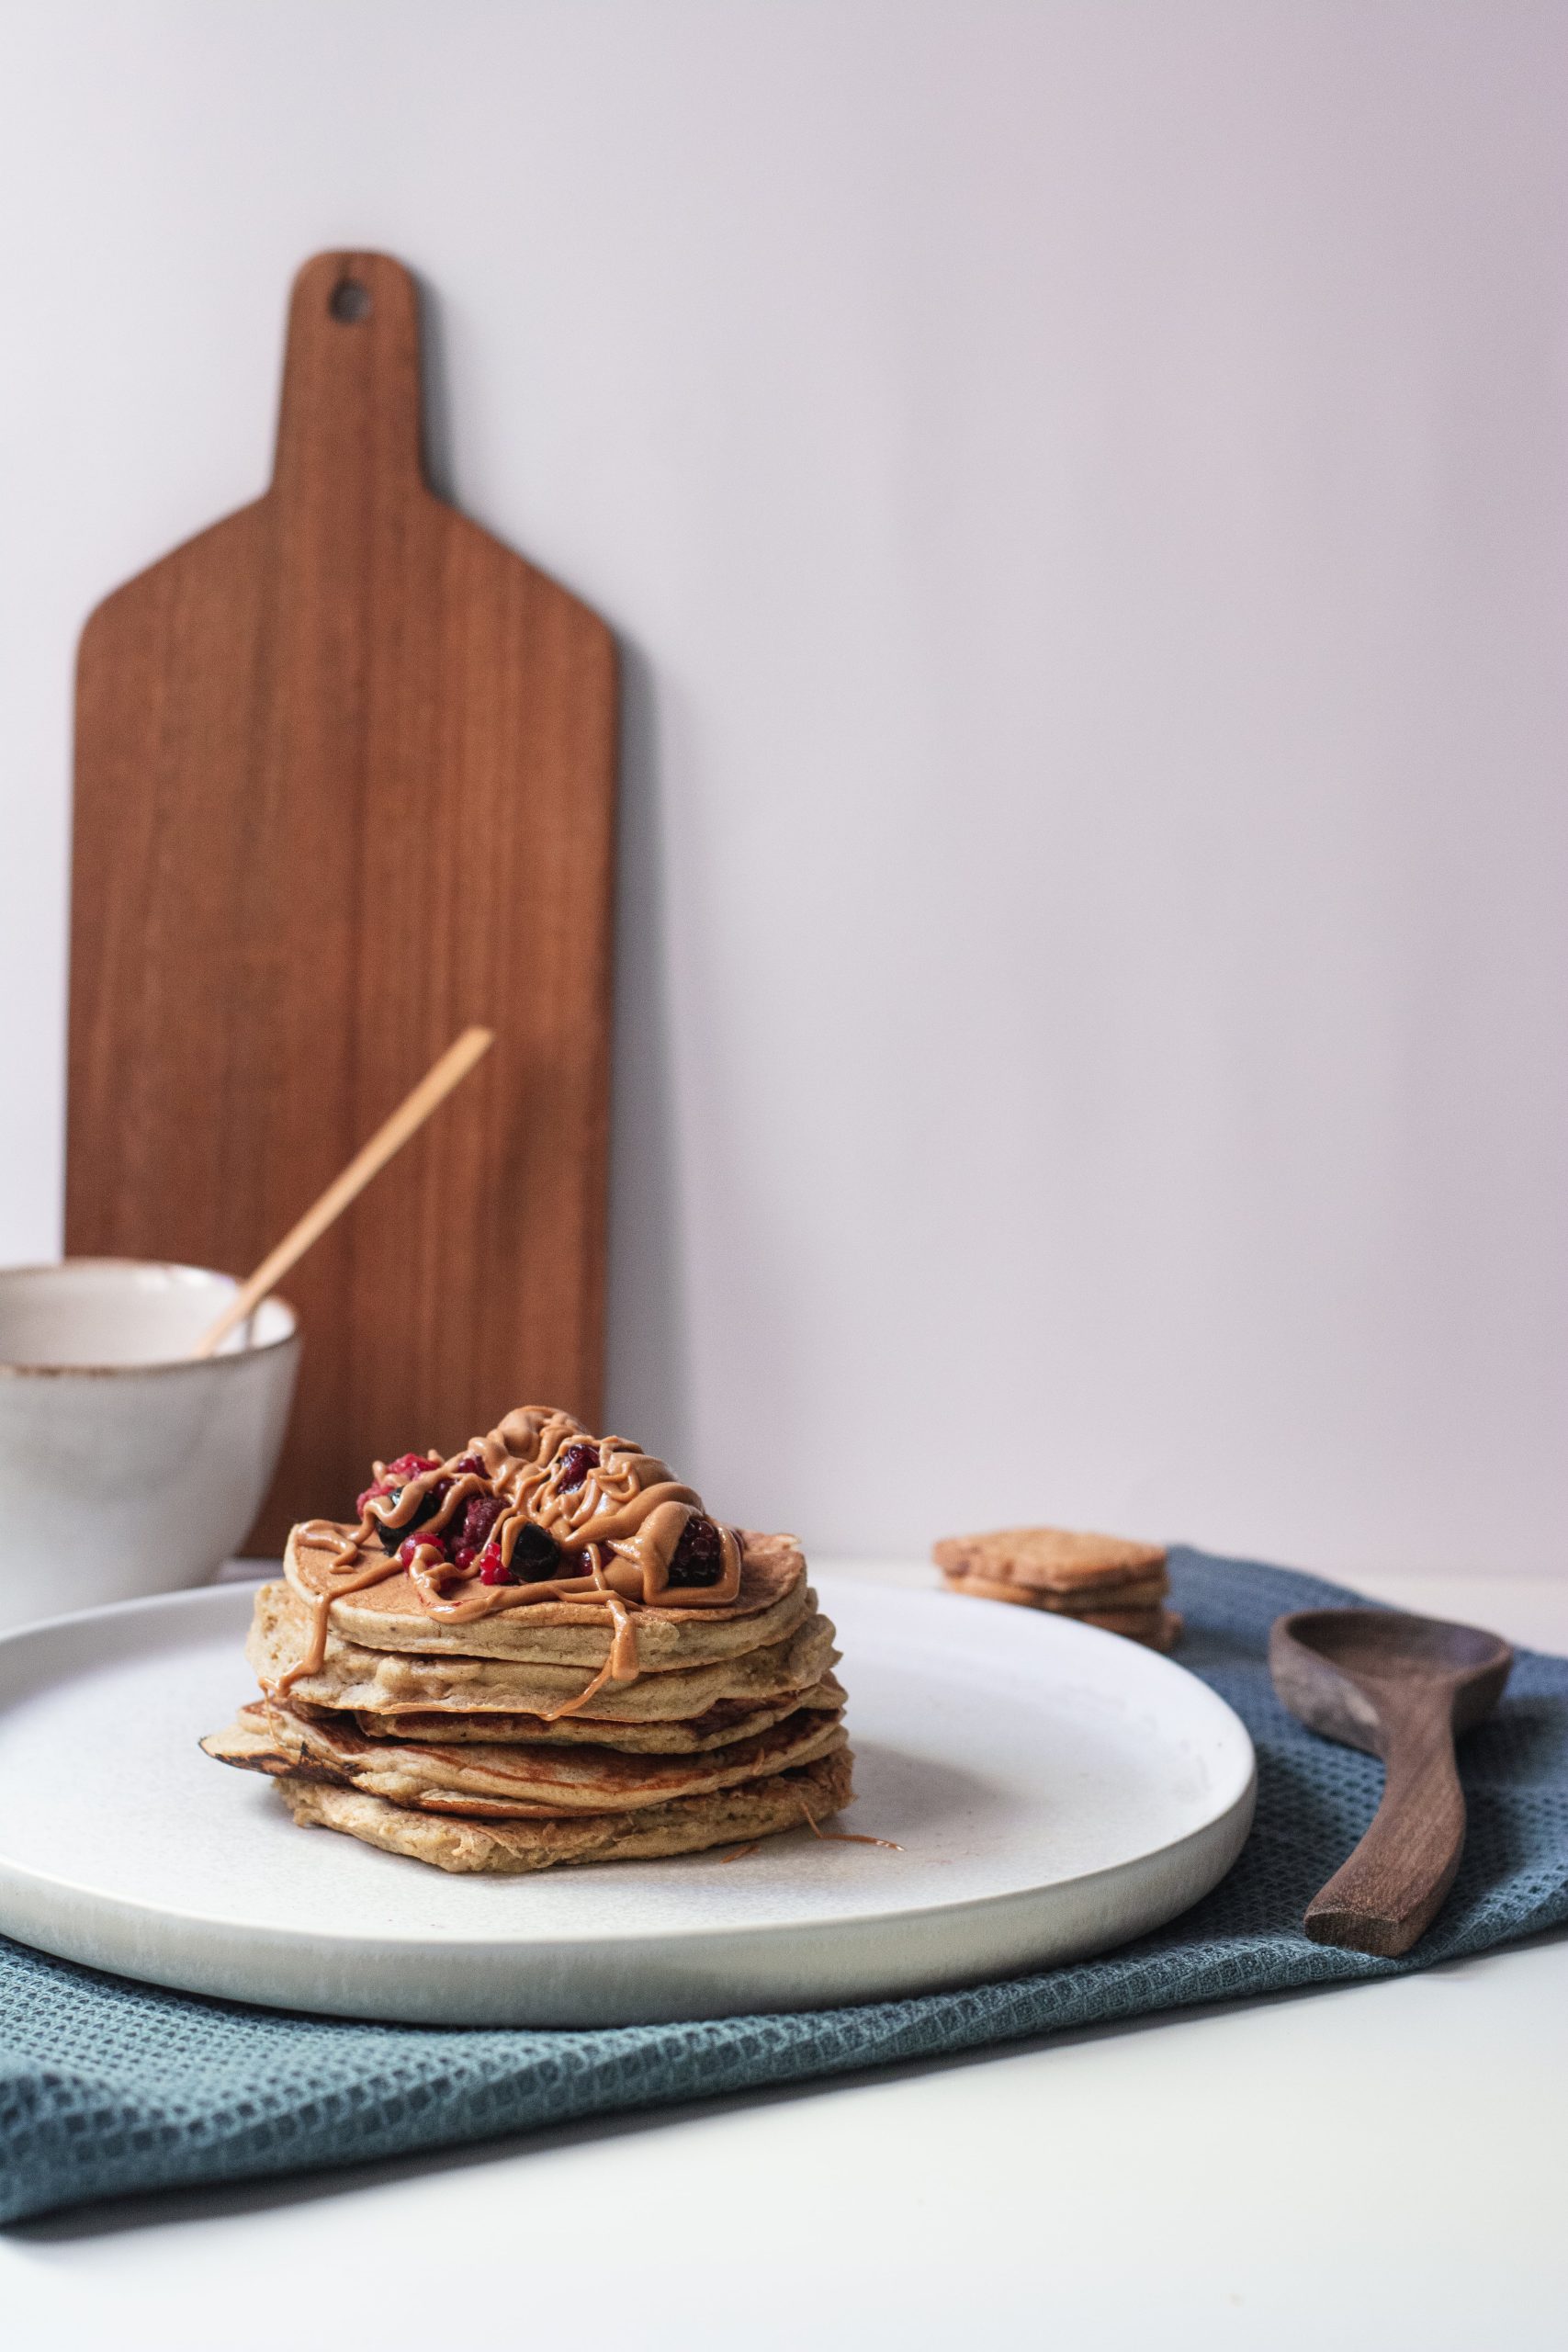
1082,490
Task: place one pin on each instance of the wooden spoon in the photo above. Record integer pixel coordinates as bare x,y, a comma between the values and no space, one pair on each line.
1400,1688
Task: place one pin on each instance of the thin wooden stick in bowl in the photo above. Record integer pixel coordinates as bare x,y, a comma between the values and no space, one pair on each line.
406,1120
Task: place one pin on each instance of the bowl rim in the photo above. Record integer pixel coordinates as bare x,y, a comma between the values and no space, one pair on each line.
174,1365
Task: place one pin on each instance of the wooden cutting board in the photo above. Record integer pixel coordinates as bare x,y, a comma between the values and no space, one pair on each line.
345,782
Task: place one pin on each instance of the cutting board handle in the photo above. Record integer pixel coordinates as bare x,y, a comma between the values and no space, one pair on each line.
351,412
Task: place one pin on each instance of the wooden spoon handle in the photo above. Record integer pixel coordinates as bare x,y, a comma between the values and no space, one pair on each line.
388,1138
1391,1889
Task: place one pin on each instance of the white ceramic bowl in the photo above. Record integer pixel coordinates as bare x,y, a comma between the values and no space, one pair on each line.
127,1466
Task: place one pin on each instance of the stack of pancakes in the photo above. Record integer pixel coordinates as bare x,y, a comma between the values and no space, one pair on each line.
1105,1581
446,1742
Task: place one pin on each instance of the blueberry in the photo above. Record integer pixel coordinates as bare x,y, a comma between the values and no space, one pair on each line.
534,1557
390,1537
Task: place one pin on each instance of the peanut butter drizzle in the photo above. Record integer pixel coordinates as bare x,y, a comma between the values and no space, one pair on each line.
321,1610
625,1515
846,1836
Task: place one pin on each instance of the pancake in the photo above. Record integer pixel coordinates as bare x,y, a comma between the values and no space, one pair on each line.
1063,1563
580,1665
353,1678
726,1721
684,1826
773,1600
507,1782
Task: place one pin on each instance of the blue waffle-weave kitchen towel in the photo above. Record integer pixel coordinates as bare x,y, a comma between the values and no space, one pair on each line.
107,2086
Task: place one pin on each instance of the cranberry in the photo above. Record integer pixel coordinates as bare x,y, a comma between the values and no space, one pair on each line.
492,1567
412,1543
699,1556
575,1465
472,1464
463,1555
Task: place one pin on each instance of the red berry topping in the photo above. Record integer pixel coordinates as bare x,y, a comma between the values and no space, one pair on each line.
399,1473
699,1556
463,1555
575,1465
475,1521
492,1567
412,1543
472,1464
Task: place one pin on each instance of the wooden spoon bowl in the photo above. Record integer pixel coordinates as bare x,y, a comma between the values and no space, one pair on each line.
1400,1687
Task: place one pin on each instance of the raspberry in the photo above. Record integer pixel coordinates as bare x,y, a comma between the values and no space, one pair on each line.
478,1518
699,1556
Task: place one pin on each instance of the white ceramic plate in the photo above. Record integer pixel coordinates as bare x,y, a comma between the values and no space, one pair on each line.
1055,1790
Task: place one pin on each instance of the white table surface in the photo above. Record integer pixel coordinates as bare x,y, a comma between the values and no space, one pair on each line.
1375,2165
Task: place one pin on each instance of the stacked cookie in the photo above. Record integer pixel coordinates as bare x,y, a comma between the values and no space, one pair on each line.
1105,1581
592,1727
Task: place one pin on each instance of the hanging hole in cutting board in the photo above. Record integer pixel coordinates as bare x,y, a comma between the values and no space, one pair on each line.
350,301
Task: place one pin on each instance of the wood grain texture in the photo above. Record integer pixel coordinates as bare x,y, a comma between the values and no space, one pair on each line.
345,783
1400,1687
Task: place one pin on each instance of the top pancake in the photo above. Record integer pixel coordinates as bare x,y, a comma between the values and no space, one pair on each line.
389,1616
1056,1561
